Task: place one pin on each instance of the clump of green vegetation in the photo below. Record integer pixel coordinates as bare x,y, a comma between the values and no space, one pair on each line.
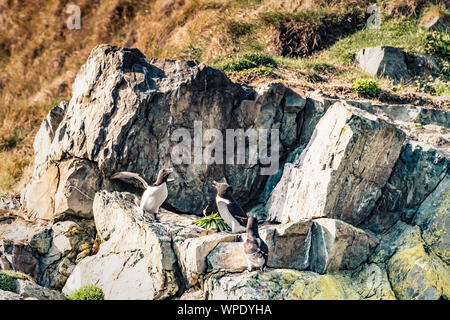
212,221
249,61
88,292
7,282
17,275
366,86
445,70
438,43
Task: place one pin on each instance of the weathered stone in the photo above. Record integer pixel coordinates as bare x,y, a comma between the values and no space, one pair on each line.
370,282
39,195
293,101
272,181
135,261
78,182
414,271
68,239
42,241
18,256
418,64
10,203
433,218
405,113
123,111
192,295
45,136
28,289
415,275
277,200
64,189
192,253
384,61
315,108
140,259
337,245
227,256
288,133
8,295
418,171
343,168
288,244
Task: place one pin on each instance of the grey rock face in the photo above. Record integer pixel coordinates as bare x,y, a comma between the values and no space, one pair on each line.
419,169
414,272
337,245
29,289
69,240
394,64
343,168
433,218
140,259
384,61
18,256
123,111
289,247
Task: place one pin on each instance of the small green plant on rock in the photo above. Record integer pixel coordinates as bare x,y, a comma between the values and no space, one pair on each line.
88,292
212,221
366,86
7,282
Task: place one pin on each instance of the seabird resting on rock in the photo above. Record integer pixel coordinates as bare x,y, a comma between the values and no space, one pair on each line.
256,250
154,195
229,209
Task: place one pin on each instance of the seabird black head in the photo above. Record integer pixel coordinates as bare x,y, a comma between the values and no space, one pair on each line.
252,226
163,176
223,189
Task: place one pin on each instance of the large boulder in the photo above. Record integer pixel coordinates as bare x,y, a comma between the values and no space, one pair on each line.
343,169
135,261
337,245
64,189
122,116
140,259
384,61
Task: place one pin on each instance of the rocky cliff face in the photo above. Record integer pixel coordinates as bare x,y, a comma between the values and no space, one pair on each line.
359,208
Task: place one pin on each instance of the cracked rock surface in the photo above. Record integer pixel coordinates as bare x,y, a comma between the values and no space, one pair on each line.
358,208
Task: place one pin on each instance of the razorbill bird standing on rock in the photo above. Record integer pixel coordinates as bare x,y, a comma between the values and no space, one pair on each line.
229,209
154,195
256,250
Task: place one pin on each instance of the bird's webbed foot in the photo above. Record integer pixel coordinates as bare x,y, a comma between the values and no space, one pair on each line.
150,217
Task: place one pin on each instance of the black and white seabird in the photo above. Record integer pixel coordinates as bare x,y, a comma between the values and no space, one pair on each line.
256,250
154,195
229,209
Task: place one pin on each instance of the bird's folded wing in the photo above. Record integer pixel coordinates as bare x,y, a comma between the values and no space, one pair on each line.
235,209
124,175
